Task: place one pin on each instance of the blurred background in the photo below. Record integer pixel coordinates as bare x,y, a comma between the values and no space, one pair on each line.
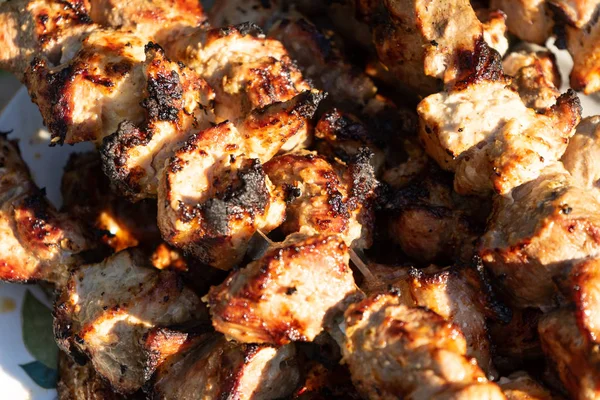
8,87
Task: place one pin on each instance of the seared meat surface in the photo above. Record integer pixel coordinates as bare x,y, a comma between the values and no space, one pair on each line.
81,382
531,238
210,367
394,350
582,158
106,309
530,20
290,294
486,135
37,242
521,386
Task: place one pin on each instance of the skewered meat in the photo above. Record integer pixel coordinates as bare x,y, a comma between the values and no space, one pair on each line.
106,309
535,77
394,350
81,382
577,12
584,46
484,133
290,294
582,158
432,223
38,243
246,70
421,42
521,386
40,28
531,238
176,104
231,198
530,20
211,367
323,199
460,295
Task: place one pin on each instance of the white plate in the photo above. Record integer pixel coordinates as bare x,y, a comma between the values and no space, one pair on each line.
46,164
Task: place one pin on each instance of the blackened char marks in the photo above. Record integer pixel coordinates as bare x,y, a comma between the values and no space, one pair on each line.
250,195
247,28
362,175
481,64
164,92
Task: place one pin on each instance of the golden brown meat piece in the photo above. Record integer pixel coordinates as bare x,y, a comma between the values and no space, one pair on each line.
584,46
485,134
161,21
176,103
246,70
397,351
38,243
423,42
325,198
531,238
211,368
40,28
576,12
81,382
535,77
106,309
530,20
574,354
582,158
432,223
290,294
231,196
87,195
521,386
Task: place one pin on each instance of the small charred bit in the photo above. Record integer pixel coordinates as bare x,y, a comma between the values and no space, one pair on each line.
124,297
394,350
253,304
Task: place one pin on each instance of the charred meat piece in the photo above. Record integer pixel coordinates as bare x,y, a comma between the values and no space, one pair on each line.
246,70
548,224
291,294
494,28
82,382
574,354
582,158
485,134
432,223
177,103
521,386
40,28
423,42
87,195
535,77
211,367
529,20
325,198
106,309
231,197
398,351
38,243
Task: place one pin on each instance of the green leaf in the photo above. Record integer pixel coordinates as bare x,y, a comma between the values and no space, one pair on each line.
37,331
42,375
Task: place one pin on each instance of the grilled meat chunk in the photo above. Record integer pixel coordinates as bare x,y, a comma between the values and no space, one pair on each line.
81,382
246,70
160,21
490,139
494,29
177,102
87,96
521,386
582,158
548,224
584,46
577,13
535,77
290,294
573,353
231,197
40,28
394,350
529,20
422,42
211,367
38,243
106,309
432,223
324,199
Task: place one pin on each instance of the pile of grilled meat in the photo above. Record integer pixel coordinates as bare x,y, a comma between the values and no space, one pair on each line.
310,199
